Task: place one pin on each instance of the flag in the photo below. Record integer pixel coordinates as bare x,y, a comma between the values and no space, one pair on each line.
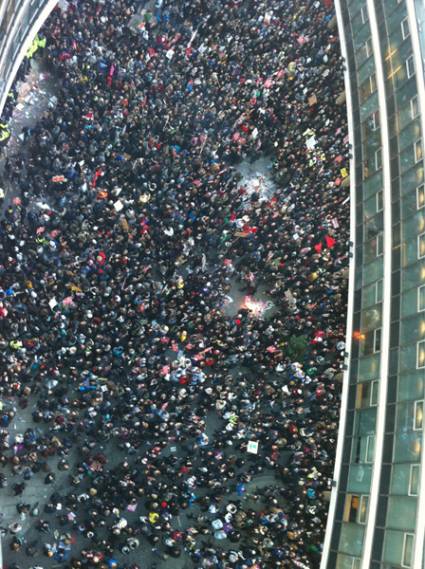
330,241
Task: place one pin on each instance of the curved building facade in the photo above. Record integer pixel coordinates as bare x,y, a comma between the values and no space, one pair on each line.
20,20
377,512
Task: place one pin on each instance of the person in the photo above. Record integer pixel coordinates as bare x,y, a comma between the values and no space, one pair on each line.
4,134
153,400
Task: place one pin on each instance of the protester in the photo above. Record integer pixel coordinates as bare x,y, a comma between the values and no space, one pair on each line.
184,431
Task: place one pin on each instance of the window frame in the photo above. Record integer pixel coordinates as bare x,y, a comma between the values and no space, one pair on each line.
374,387
420,289
369,438
414,105
354,515
379,197
373,84
346,514
405,33
378,158
403,552
418,349
368,49
420,189
418,144
362,499
376,338
367,88
410,69
409,491
379,291
415,407
379,247
364,16
420,237
366,393
375,121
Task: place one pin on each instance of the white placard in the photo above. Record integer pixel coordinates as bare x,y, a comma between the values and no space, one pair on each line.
311,142
252,447
118,205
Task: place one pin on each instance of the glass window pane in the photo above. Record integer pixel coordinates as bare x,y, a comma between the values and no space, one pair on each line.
359,478
401,512
380,245
407,550
379,290
412,329
418,150
421,246
370,449
420,196
407,445
414,107
400,477
369,367
411,386
405,28
410,66
380,201
351,540
377,340
352,507
393,547
418,413
378,159
410,302
420,356
413,275
344,561
421,298
374,394
414,479
362,515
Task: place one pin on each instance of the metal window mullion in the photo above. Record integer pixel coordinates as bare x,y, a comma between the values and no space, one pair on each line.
418,548
386,301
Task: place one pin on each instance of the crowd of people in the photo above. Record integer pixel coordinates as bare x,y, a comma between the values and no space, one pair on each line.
188,434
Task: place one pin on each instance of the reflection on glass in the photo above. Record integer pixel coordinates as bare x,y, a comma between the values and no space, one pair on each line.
420,196
418,150
421,246
418,413
410,66
370,448
421,298
414,107
352,506
407,549
364,502
414,479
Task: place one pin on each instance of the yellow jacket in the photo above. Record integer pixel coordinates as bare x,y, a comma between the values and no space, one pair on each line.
4,133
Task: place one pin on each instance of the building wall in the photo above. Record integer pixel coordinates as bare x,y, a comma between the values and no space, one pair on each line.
20,20
377,515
